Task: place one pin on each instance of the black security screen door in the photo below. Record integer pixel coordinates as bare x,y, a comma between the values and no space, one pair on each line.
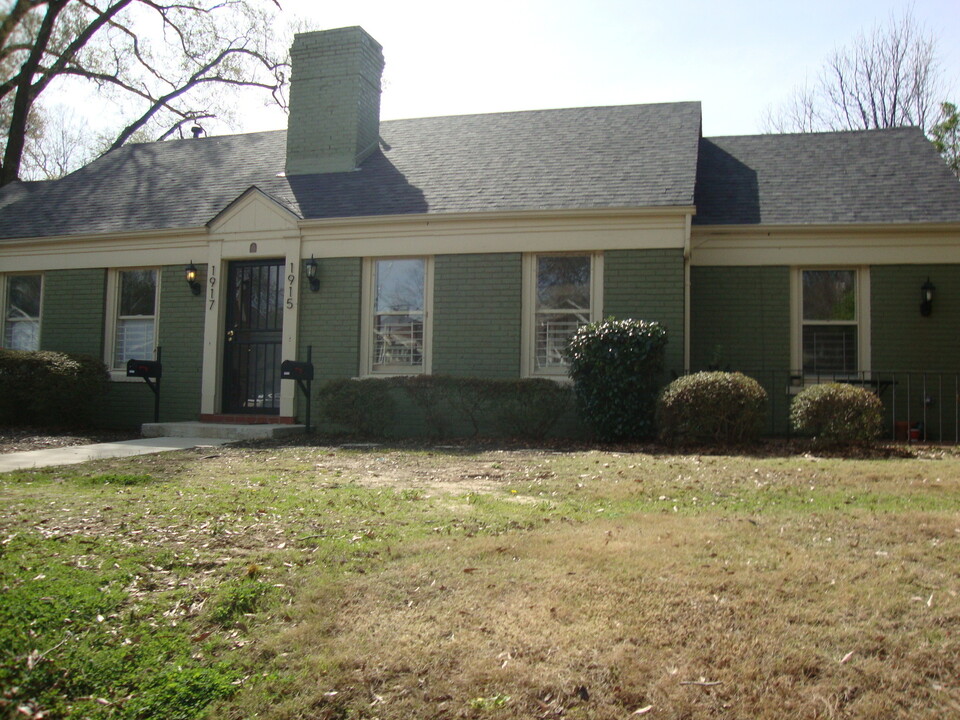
254,324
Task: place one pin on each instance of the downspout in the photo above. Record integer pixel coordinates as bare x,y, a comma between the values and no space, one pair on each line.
686,292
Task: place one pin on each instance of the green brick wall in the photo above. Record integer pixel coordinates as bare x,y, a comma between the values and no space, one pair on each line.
73,305
903,340
330,319
740,316
181,337
477,315
330,323
74,311
740,319
905,345
647,285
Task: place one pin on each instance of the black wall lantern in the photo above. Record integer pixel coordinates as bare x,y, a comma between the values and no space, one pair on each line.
926,298
190,273
312,266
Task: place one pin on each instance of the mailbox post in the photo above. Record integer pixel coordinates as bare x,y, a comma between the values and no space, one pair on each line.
302,372
150,371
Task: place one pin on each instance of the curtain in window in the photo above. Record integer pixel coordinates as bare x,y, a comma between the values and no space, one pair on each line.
136,316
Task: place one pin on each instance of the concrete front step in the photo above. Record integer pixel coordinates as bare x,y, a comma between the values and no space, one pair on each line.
221,431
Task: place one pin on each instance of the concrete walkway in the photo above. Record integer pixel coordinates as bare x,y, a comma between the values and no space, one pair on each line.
82,453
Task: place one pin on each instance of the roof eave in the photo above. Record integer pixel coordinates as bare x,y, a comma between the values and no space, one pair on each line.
787,229
571,213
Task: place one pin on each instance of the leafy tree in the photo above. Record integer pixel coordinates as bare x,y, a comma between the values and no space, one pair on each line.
159,65
946,136
889,77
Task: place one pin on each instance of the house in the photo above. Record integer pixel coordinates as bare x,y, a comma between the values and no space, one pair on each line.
473,245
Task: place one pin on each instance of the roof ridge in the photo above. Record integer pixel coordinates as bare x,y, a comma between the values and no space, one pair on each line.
696,103
820,133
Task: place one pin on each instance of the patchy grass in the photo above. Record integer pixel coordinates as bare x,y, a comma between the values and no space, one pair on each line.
320,582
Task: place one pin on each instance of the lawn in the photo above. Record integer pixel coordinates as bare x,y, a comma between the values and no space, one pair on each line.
449,582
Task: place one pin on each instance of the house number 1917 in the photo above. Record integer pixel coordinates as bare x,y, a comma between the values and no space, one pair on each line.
213,282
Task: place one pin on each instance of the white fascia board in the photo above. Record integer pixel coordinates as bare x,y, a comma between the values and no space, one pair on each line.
873,244
151,248
496,233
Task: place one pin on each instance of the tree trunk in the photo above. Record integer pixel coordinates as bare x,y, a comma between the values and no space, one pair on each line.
23,100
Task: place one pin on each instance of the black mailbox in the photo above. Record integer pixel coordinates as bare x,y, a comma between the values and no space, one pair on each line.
144,369
295,370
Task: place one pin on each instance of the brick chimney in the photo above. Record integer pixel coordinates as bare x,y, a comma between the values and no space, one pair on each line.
334,120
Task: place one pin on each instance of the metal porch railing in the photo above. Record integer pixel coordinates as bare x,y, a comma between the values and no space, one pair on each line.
918,406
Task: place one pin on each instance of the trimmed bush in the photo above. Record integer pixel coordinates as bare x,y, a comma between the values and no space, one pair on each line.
50,388
450,406
719,407
530,408
837,413
616,367
361,407
431,394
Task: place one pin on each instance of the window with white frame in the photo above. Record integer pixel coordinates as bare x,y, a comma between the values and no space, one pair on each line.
134,330
397,326
832,322
562,293
21,312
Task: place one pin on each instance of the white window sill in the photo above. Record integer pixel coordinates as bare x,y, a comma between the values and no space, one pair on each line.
800,383
120,376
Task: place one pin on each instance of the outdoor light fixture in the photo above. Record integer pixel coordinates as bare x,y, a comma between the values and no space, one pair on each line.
926,298
312,265
190,273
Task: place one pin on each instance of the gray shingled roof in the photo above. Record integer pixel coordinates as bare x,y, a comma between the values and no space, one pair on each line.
881,176
625,157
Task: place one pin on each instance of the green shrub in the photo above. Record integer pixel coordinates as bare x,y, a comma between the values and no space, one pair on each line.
430,394
474,400
362,407
837,413
50,388
530,408
616,367
721,407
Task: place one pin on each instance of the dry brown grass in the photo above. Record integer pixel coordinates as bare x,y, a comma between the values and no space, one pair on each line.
690,617
539,584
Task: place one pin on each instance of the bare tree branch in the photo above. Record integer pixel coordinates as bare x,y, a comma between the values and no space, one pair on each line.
164,64
889,77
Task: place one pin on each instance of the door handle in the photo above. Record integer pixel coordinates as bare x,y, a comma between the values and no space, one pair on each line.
229,335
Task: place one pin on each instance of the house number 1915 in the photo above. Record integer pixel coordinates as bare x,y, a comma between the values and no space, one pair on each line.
291,279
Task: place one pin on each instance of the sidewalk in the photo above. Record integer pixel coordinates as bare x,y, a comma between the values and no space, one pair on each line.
82,453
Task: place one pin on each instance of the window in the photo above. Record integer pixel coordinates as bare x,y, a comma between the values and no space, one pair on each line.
833,339
563,293
134,329
397,326
21,312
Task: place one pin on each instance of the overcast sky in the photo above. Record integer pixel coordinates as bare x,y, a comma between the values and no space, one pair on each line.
737,57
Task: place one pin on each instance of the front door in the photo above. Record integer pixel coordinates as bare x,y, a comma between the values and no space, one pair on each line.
254,324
